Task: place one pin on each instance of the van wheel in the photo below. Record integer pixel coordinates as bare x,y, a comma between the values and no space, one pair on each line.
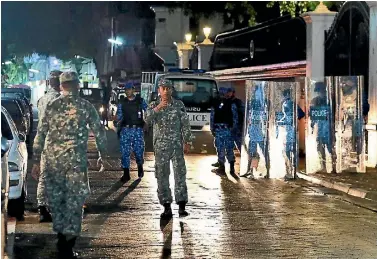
16,207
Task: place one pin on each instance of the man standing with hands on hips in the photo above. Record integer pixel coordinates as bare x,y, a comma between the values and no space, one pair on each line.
171,139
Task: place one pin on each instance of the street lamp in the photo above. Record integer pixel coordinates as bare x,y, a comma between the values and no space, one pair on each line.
188,37
207,32
117,42
8,62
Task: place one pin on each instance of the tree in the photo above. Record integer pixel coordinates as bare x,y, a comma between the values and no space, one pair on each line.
14,73
249,13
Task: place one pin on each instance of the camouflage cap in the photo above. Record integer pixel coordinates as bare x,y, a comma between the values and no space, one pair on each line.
55,74
69,76
166,83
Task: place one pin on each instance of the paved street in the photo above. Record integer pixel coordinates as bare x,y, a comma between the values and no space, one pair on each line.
228,219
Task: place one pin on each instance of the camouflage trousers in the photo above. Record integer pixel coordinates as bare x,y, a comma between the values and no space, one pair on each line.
67,188
132,139
224,144
41,190
163,156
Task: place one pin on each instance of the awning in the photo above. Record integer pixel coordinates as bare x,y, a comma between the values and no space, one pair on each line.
282,70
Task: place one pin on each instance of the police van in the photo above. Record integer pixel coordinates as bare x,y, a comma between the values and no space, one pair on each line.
196,89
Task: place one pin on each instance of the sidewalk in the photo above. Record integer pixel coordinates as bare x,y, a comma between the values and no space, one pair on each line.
361,185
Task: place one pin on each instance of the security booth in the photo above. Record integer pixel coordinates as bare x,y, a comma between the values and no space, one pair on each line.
270,135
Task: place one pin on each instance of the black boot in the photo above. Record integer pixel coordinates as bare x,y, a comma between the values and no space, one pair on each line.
182,209
44,214
232,171
140,171
65,247
217,164
126,175
220,170
167,214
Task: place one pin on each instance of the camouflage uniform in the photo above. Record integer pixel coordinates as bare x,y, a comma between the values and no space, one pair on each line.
171,129
61,143
42,103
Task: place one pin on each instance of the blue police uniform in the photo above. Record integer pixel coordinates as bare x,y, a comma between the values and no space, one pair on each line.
130,116
223,124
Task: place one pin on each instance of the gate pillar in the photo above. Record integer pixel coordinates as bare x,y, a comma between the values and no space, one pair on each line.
372,95
317,22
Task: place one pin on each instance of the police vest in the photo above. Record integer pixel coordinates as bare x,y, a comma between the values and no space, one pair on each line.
132,112
223,112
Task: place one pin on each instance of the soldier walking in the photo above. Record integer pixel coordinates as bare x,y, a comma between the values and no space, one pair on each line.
61,146
223,124
171,139
52,93
130,115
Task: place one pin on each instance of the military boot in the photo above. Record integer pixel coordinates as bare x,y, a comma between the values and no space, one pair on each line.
65,247
220,170
44,214
126,175
232,171
217,164
167,214
182,209
140,171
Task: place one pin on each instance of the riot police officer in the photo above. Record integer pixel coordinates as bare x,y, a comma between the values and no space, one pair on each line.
237,135
130,115
223,124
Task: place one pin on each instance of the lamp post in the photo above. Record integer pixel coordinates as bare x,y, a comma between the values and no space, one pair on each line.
207,32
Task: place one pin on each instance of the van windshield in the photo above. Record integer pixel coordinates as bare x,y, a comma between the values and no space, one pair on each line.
194,92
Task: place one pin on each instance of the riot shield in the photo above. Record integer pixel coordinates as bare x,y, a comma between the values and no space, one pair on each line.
145,91
283,133
254,155
349,121
319,137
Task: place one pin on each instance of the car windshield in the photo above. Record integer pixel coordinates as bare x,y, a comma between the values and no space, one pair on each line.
92,94
14,91
194,92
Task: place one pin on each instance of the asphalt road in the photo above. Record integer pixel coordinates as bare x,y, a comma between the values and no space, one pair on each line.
228,219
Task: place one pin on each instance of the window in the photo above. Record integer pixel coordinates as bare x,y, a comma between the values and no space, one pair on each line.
6,132
194,91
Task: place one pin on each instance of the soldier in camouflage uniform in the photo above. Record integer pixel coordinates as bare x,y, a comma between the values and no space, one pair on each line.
171,139
52,93
130,116
61,144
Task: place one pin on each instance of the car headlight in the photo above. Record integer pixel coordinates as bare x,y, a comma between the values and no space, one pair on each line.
13,167
101,109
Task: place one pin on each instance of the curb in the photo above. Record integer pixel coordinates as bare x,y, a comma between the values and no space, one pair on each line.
343,187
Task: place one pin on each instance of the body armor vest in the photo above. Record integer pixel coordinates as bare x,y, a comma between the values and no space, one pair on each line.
223,112
132,112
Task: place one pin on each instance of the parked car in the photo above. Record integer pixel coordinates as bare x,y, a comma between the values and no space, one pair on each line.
25,109
96,97
15,110
6,135
17,166
26,91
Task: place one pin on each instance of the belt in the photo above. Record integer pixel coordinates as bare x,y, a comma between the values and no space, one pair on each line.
132,126
221,126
